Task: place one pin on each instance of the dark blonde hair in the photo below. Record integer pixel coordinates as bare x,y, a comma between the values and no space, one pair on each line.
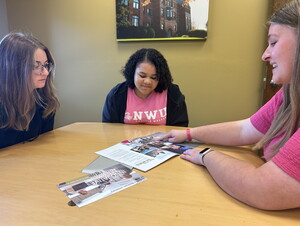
287,119
18,97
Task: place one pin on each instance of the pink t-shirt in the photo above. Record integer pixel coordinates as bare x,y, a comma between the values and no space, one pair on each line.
152,110
288,158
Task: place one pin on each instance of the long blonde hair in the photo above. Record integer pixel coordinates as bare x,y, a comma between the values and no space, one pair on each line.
287,119
17,100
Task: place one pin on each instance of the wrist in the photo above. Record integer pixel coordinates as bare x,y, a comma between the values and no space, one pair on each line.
202,153
188,134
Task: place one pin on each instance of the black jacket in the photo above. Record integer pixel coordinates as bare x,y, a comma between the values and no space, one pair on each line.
115,106
37,126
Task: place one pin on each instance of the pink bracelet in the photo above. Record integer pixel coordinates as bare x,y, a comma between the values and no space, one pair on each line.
188,134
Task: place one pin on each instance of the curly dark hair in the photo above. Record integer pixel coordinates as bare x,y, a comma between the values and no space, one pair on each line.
154,57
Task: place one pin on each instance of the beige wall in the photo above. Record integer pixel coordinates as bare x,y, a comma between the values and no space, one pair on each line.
221,77
3,19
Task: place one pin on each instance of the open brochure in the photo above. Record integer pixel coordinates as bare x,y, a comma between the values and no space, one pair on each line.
144,153
95,186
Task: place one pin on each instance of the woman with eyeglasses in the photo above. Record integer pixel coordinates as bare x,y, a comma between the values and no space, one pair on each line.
28,101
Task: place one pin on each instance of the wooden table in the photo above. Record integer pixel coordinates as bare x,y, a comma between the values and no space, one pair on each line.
175,193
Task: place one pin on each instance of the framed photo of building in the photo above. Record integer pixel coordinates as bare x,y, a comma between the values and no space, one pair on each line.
147,20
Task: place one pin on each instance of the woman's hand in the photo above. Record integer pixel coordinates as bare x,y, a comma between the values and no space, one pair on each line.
175,136
191,155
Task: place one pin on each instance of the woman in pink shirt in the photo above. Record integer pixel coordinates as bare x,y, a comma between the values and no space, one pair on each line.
275,128
148,95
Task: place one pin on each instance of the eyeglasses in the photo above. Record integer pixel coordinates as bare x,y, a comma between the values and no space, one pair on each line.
39,67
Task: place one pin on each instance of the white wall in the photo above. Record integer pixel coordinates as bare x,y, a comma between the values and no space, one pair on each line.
3,19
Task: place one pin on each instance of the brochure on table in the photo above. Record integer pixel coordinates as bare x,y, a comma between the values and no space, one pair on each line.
112,170
95,186
144,153
100,163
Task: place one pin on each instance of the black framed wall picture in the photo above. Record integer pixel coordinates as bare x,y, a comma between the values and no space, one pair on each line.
145,20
